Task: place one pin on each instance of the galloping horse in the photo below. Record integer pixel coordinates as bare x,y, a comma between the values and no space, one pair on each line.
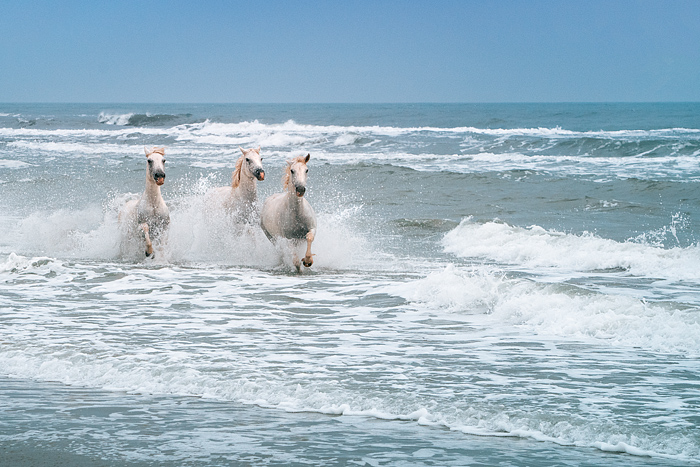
148,214
288,215
240,199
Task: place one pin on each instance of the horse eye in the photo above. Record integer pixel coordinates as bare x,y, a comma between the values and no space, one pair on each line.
247,159
150,161
307,170
292,170
163,161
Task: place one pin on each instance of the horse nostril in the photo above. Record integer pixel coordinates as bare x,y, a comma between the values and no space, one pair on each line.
301,190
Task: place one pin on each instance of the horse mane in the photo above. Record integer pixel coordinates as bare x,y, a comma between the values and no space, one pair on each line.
287,176
236,178
160,151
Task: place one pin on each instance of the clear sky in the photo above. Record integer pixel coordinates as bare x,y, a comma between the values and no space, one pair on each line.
349,51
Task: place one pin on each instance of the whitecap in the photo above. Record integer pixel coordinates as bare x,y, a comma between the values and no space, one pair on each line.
114,119
535,247
13,164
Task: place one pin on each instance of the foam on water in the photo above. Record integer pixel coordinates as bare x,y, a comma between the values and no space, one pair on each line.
555,310
175,330
495,328
12,164
92,232
193,237
537,248
114,119
76,149
647,153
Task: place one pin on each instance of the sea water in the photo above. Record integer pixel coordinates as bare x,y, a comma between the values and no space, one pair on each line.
510,284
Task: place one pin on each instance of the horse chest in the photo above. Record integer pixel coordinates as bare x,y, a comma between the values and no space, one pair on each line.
295,227
297,232
155,216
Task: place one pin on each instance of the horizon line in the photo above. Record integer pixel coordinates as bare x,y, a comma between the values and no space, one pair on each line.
344,103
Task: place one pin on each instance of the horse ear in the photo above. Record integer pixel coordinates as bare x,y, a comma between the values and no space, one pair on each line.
147,151
258,148
308,156
242,150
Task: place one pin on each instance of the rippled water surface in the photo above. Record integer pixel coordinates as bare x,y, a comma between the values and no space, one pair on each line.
505,284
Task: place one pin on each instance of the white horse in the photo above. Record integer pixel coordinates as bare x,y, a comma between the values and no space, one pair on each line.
148,216
239,200
288,215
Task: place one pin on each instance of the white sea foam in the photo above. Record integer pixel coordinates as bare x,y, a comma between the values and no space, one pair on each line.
478,152
87,233
340,134
465,346
197,236
142,337
555,311
193,236
16,263
114,119
95,362
77,134
535,247
346,139
76,149
11,164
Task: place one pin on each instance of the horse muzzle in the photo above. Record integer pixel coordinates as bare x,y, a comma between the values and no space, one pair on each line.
159,178
259,174
300,191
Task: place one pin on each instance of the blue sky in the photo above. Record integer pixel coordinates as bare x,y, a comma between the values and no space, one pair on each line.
349,51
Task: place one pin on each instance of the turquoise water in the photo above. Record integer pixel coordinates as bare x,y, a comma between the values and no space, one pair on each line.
493,284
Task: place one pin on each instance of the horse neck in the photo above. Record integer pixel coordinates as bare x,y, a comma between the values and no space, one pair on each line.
294,202
247,188
152,191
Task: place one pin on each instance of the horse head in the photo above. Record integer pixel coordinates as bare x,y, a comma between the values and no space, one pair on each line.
249,163
156,164
295,177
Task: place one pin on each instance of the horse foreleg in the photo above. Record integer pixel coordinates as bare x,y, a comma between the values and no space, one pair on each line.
308,259
149,245
295,260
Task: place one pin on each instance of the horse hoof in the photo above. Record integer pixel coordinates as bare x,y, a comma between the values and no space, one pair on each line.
308,263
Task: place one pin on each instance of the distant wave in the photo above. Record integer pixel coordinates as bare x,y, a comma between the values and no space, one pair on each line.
642,154
183,126
110,119
291,125
134,119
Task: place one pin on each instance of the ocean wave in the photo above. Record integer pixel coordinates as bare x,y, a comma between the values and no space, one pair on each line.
531,141
645,155
229,334
537,248
179,123
20,264
227,375
112,119
292,126
550,309
138,120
